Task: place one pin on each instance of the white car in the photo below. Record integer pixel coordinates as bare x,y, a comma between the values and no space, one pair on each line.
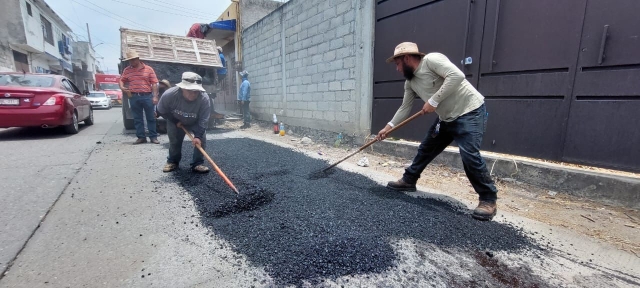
99,99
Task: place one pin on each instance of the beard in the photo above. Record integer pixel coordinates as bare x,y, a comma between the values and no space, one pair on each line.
407,71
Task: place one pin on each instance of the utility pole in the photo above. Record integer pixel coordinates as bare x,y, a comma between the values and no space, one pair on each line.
89,35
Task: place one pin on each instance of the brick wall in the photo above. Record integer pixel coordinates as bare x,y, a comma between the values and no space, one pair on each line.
325,80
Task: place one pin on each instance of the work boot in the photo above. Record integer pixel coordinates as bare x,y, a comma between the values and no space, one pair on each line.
169,167
485,210
245,126
140,141
155,141
200,169
401,185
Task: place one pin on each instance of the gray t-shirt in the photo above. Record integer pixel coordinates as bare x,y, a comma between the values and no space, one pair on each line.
195,115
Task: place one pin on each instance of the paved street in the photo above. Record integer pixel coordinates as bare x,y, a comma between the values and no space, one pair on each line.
108,217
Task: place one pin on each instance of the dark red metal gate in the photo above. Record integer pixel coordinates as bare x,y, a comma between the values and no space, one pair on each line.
561,78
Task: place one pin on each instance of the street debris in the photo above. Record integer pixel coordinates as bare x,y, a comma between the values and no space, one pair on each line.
363,162
587,218
306,141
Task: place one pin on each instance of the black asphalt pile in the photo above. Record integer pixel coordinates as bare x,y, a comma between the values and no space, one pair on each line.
310,228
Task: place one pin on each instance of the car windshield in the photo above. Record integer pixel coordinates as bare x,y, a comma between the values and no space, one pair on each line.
94,94
26,80
109,86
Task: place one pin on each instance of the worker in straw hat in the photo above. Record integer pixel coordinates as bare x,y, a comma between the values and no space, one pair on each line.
186,105
143,92
462,117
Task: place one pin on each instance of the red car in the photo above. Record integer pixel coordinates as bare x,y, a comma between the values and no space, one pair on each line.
42,100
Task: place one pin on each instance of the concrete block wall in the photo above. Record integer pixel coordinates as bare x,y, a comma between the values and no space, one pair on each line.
325,80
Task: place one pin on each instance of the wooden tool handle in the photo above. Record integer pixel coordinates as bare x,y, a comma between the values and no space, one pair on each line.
215,167
374,140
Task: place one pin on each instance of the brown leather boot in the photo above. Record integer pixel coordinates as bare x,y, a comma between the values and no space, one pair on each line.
400,185
140,141
485,210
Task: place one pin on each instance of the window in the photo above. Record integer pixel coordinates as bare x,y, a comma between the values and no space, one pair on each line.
29,9
47,31
21,61
74,89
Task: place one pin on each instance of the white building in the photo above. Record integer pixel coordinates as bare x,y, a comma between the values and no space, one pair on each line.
33,38
84,65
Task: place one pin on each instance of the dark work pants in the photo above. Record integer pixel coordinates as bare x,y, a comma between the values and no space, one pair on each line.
176,136
246,112
467,131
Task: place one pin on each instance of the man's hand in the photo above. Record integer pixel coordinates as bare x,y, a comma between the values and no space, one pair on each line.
155,100
197,142
383,133
427,108
179,124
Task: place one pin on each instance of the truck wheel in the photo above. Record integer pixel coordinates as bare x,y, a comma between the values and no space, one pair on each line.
128,123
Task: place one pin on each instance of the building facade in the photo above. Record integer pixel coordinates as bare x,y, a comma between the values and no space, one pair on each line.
34,39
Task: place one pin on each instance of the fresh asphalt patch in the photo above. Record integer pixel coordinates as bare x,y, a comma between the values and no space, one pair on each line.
302,228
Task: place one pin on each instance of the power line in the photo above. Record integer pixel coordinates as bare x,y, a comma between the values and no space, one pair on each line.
82,28
125,19
180,9
142,7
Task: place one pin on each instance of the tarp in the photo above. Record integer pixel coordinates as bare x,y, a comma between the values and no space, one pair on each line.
229,25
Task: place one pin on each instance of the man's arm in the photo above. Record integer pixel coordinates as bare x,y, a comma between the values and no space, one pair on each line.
452,75
243,91
402,113
204,114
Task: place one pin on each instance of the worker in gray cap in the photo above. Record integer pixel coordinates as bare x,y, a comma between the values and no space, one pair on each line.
186,106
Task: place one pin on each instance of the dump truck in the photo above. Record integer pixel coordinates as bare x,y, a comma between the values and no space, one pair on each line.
170,56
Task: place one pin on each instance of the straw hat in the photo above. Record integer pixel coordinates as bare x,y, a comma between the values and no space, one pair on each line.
191,81
405,48
131,54
219,48
244,73
166,82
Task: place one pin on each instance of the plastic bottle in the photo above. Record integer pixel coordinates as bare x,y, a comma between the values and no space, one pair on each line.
276,128
338,141
281,129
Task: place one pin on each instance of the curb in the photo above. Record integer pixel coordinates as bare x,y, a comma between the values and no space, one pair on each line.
602,187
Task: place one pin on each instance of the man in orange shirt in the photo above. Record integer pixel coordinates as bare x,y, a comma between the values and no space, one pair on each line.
198,30
143,93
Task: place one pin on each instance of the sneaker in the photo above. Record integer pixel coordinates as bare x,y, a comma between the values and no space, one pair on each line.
140,141
400,185
169,167
200,169
155,141
485,211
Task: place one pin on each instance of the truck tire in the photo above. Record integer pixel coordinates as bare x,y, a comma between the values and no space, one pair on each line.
128,123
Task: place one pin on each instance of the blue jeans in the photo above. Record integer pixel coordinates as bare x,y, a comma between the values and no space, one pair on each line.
176,137
467,131
139,104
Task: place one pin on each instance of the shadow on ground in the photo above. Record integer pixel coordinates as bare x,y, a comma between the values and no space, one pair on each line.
36,133
329,227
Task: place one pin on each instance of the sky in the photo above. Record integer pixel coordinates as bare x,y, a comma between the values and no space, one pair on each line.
105,17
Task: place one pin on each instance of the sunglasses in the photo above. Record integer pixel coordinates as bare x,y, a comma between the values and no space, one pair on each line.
193,81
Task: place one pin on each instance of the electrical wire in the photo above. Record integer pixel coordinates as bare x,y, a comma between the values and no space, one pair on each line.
179,9
161,11
106,10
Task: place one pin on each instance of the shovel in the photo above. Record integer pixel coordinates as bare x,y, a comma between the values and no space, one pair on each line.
374,141
224,177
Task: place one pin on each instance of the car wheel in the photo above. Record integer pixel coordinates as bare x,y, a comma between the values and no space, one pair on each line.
89,120
73,127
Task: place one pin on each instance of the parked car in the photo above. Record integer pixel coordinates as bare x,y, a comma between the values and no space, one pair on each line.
42,100
99,99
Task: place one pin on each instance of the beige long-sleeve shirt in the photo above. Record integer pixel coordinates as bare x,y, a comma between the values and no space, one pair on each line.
443,85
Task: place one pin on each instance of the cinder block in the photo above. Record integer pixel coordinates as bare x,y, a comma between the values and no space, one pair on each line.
316,59
323,106
336,64
329,56
329,13
312,106
329,115
336,43
329,76
350,16
307,114
335,86
336,22
322,87
349,62
344,95
342,74
348,106
343,30
342,116
349,85
328,97
343,7
317,114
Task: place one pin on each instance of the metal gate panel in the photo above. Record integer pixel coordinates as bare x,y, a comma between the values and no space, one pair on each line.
436,26
529,35
528,59
603,121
